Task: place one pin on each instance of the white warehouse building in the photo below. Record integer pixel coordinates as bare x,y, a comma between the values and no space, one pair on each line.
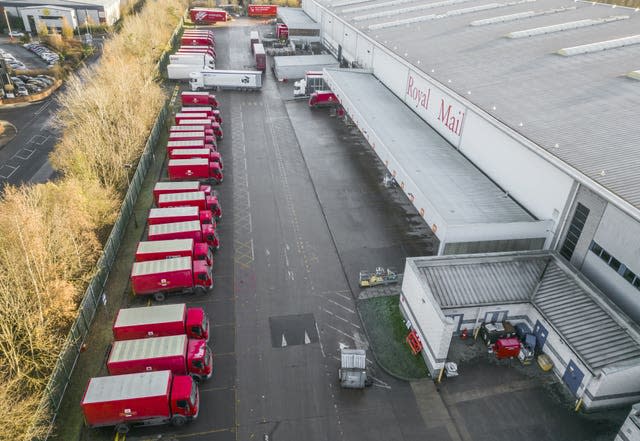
524,130
97,11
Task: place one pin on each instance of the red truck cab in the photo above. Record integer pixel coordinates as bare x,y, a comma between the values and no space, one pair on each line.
323,98
161,320
194,168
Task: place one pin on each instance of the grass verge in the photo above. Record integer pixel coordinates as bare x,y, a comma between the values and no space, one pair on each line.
387,332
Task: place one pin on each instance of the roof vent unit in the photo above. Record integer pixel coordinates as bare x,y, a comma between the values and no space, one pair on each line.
565,26
600,46
635,74
406,10
518,16
347,3
376,6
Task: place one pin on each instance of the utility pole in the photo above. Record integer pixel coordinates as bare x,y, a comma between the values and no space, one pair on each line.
8,25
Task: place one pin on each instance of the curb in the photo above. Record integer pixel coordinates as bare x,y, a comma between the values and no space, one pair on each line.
375,356
3,141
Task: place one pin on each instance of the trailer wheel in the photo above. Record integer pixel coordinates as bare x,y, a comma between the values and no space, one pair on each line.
159,297
122,428
178,420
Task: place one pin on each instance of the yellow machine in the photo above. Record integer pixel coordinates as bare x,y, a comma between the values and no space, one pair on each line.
379,277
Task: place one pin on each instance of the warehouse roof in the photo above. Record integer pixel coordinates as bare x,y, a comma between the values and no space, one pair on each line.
457,189
527,63
296,18
597,331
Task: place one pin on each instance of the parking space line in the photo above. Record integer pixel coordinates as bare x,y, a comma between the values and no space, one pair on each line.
37,139
341,306
189,435
216,389
340,318
24,156
13,170
342,332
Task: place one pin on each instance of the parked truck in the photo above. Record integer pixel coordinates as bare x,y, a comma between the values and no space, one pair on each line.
197,40
194,136
196,59
141,399
209,110
185,230
200,32
207,153
170,249
175,353
262,10
226,79
323,98
187,49
190,144
207,15
194,168
161,320
180,214
181,275
181,187
195,128
260,56
191,98
183,71
207,122
282,31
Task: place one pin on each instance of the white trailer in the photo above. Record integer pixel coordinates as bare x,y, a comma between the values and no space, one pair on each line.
183,71
197,59
296,66
226,79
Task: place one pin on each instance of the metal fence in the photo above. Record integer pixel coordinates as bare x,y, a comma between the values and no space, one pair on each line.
175,38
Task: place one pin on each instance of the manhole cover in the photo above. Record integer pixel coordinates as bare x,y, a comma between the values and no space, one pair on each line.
291,330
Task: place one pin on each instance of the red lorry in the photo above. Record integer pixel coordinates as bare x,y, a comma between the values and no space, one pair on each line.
191,144
176,353
194,168
158,321
262,10
185,230
208,131
209,110
323,98
179,214
142,399
170,249
199,199
207,122
197,40
207,153
208,50
207,15
188,98
206,32
193,136
282,31
180,187
260,56
158,278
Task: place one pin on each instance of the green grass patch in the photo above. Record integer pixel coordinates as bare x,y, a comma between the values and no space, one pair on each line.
387,332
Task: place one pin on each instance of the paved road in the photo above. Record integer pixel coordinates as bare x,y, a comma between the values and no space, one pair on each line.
25,158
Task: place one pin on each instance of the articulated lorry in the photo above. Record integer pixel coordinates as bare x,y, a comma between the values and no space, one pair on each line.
195,230
226,79
170,249
176,353
182,275
161,320
142,399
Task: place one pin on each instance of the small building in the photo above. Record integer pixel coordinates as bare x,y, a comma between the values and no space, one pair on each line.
53,17
594,346
95,11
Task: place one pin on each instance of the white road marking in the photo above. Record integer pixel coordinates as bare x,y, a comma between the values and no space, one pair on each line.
341,306
320,341
342,333
291,275
13,170
340,318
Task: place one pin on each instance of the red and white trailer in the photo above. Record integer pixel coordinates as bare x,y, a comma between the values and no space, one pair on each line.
157,321
209,110
194,136
181,275
207,15
189,144
192,98
180,187
207,122
208,131
262,10
260,56
170,249
142,399
199,199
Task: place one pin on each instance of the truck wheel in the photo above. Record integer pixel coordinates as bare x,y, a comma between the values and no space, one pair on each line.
199,290
178,420
196,378
159,297
122,428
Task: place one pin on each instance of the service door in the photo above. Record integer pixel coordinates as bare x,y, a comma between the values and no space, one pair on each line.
541,334
573,377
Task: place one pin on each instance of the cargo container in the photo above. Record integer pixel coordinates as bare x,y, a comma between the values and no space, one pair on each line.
142,399
185,230
191,98
183,72
170,249
157,321
194,128
175,353
207,15
181,275
186,153
207,122
180,214
262,10
209,110
226,79
260,56
198,199
254,38
180,187
323,98
209,50
194,58
209,140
